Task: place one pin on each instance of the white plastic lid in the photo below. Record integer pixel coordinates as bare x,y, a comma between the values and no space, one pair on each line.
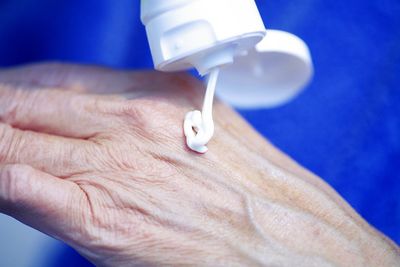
271,74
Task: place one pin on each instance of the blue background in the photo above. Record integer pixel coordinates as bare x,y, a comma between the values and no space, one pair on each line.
345,127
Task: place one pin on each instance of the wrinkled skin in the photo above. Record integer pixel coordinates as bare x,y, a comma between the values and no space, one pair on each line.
97,158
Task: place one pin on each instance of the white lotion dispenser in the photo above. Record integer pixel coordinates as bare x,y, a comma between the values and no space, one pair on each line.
248,66
201,34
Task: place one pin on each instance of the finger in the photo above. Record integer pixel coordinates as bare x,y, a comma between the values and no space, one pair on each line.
40,200
99,80
53,111
78,78
55,155
52,75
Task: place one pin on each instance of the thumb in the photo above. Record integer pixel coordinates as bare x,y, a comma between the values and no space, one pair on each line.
44,202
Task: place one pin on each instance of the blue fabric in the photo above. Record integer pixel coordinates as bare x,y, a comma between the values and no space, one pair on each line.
345,127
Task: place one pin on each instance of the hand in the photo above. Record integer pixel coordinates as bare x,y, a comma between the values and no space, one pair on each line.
111,176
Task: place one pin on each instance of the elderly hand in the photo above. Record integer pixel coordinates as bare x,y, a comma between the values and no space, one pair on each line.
97,158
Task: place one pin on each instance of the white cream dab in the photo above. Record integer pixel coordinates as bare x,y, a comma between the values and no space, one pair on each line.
199,126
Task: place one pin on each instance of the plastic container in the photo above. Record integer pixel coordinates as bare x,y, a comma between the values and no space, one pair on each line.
259,68
203,34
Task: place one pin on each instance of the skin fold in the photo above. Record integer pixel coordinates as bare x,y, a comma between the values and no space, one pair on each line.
97,158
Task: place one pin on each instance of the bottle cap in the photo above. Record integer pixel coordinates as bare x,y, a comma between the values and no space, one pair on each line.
271,74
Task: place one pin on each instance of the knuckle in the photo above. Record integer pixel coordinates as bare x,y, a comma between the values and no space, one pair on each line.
17,104
15,182
154,119
90,105
11,143
8,111
144,118
7,141
135,113
94,105
135,109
